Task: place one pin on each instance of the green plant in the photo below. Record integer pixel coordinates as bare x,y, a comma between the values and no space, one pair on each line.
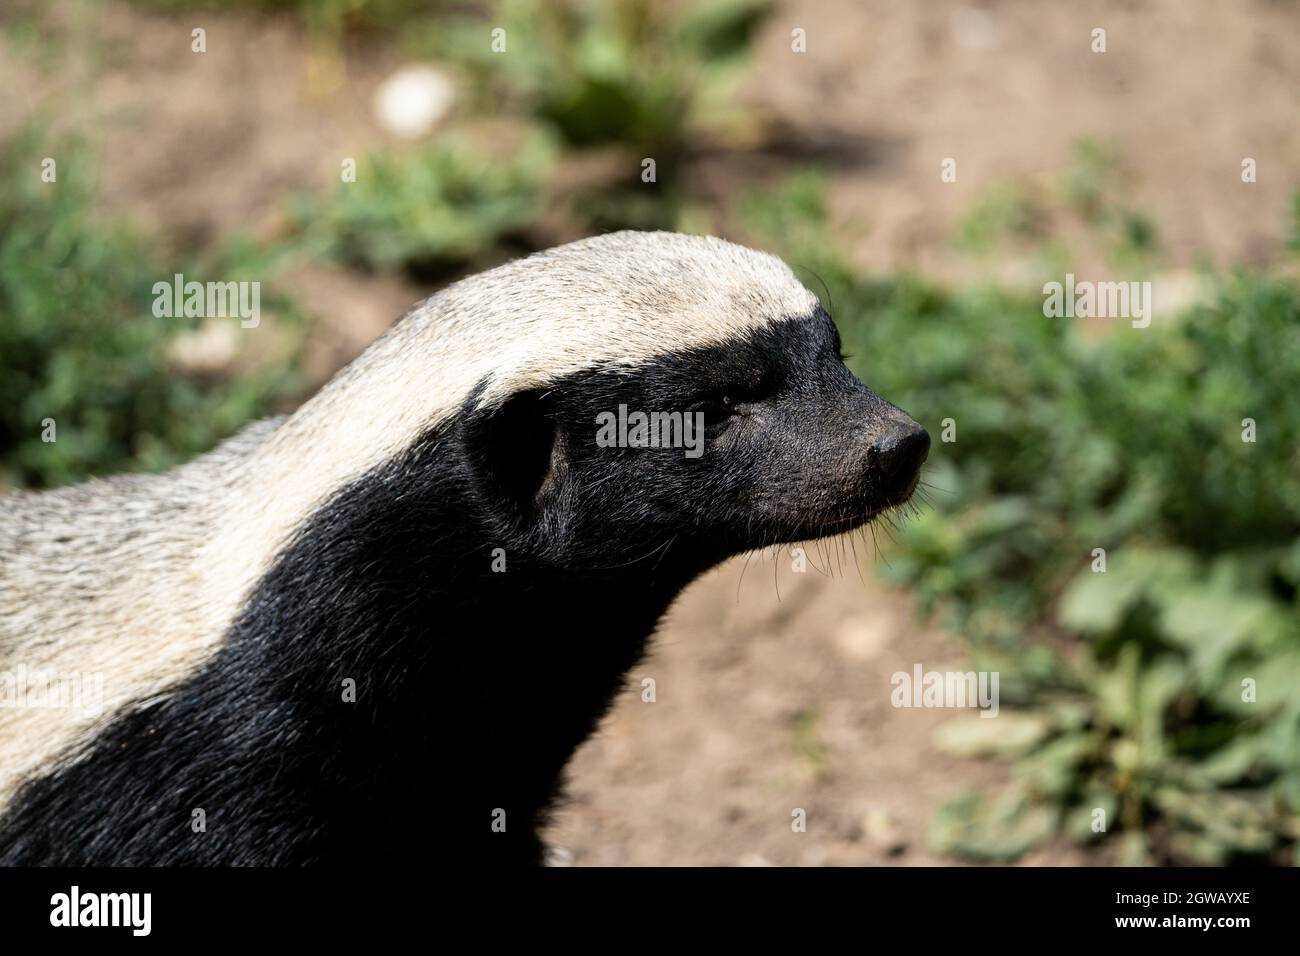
430,207
79,344
1089,200
1294,241
1006,211
632,82
635,73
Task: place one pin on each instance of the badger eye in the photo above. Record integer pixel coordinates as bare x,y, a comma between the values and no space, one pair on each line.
715,410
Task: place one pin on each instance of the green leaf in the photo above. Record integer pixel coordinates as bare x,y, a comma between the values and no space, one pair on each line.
973,827
1213,624
1004,735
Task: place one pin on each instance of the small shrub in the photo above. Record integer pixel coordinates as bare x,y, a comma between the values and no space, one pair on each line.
428,208
80,345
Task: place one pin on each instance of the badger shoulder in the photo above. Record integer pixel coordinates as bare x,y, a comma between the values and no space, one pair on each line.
99,586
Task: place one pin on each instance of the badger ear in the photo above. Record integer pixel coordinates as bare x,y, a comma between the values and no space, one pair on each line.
512,452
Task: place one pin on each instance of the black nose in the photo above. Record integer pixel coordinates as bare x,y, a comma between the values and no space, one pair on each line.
899,458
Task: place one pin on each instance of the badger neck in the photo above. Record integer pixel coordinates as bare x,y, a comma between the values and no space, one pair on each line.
405,654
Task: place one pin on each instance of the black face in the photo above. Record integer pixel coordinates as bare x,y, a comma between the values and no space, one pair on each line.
793,448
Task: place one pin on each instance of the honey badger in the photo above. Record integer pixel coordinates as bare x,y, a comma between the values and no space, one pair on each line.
380,627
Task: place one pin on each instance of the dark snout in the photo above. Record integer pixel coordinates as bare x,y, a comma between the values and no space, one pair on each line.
896,458
834,460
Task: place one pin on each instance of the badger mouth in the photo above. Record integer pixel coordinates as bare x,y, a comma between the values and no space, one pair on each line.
889,514
859,511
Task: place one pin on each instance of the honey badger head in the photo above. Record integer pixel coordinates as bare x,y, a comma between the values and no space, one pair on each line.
790,447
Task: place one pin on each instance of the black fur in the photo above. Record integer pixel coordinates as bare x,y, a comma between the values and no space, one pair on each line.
474,687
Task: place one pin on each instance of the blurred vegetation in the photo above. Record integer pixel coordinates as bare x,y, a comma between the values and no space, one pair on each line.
79,343
638,80
1132,680
650,76
597,86
429,208
1091,199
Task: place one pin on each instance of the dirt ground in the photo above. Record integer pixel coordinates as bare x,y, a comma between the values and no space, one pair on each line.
1186,89
772,692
